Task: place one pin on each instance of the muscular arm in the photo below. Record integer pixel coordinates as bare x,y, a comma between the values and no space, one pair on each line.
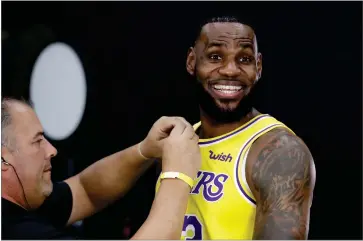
105,181
282,175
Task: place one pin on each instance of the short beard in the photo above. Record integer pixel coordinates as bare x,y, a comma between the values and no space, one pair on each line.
222,116
48,189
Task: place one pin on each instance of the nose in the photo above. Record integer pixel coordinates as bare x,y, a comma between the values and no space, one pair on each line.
230,70
51,150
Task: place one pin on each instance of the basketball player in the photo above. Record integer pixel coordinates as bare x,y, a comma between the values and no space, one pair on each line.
257,177
35,208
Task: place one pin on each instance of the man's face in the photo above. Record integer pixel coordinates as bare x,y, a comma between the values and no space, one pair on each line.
32,154
226,66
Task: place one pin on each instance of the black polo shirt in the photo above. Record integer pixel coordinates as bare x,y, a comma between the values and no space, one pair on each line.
48,222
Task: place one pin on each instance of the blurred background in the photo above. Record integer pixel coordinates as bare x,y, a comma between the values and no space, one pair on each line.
133,56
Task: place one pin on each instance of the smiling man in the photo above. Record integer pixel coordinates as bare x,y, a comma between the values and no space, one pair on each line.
257,177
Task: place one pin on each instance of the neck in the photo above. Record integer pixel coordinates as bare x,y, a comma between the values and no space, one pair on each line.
210,128
12,194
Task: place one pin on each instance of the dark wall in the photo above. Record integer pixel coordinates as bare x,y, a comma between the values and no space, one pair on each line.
134,57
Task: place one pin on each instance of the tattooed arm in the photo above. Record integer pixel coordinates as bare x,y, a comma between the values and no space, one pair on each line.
281,174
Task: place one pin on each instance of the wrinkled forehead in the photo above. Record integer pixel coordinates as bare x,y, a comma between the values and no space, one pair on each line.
226,32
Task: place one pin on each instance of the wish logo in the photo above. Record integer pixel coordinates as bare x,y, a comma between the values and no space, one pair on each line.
220,157
211,185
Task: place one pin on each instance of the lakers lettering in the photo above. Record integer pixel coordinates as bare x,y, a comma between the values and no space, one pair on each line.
212,184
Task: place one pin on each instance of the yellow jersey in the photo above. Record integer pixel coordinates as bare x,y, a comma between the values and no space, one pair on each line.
221,205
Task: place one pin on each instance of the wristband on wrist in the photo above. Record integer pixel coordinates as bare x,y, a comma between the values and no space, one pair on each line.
139,149
188,180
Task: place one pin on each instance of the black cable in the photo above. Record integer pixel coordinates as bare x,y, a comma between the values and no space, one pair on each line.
21,184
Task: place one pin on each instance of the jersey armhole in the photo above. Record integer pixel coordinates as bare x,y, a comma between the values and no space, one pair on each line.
242,168
243,172
248,148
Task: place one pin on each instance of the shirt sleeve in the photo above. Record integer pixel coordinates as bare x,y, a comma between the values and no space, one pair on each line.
57,208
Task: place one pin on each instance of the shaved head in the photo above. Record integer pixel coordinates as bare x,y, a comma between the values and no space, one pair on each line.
210,25
234,30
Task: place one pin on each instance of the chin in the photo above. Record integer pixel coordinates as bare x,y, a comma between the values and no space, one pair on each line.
229,106
47,188
223,111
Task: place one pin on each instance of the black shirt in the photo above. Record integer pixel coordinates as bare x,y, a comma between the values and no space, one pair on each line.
48,222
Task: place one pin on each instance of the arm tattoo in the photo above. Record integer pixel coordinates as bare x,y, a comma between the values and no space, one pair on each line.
281,177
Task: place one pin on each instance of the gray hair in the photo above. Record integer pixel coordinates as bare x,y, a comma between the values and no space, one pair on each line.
7,139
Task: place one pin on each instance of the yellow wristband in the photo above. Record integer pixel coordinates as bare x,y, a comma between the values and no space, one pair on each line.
178,175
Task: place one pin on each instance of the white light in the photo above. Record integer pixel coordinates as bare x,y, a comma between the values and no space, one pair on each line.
58,90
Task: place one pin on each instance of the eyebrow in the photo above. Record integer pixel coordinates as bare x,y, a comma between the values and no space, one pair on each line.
39,133
243,45
215,44
246,46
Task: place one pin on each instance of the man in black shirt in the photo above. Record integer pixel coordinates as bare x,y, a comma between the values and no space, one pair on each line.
47,222
35,208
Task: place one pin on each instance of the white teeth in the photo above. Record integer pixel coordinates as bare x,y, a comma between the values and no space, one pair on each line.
228,88
228,91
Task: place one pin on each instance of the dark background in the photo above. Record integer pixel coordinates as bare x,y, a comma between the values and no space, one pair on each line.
134,57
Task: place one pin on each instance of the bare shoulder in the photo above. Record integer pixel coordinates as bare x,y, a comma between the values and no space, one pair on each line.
278,152
281,175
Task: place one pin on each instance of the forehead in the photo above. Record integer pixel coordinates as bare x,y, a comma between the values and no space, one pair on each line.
24,120
226,31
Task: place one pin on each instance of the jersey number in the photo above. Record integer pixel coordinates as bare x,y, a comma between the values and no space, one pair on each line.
192,228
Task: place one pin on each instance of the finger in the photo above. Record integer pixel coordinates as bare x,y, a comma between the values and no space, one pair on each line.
183,120
179,128
195,137
165,124
189,132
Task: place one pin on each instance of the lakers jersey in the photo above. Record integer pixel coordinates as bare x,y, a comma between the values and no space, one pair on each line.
221,205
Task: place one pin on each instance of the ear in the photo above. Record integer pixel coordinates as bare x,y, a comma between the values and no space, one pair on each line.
191,61
4,167
6,155
259,66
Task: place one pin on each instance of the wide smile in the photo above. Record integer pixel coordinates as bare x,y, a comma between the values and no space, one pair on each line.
227,91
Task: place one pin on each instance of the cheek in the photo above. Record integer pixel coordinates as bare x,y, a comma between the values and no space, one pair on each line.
204,69
204,73
30,164
35,164
35,170
30,175
251,72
